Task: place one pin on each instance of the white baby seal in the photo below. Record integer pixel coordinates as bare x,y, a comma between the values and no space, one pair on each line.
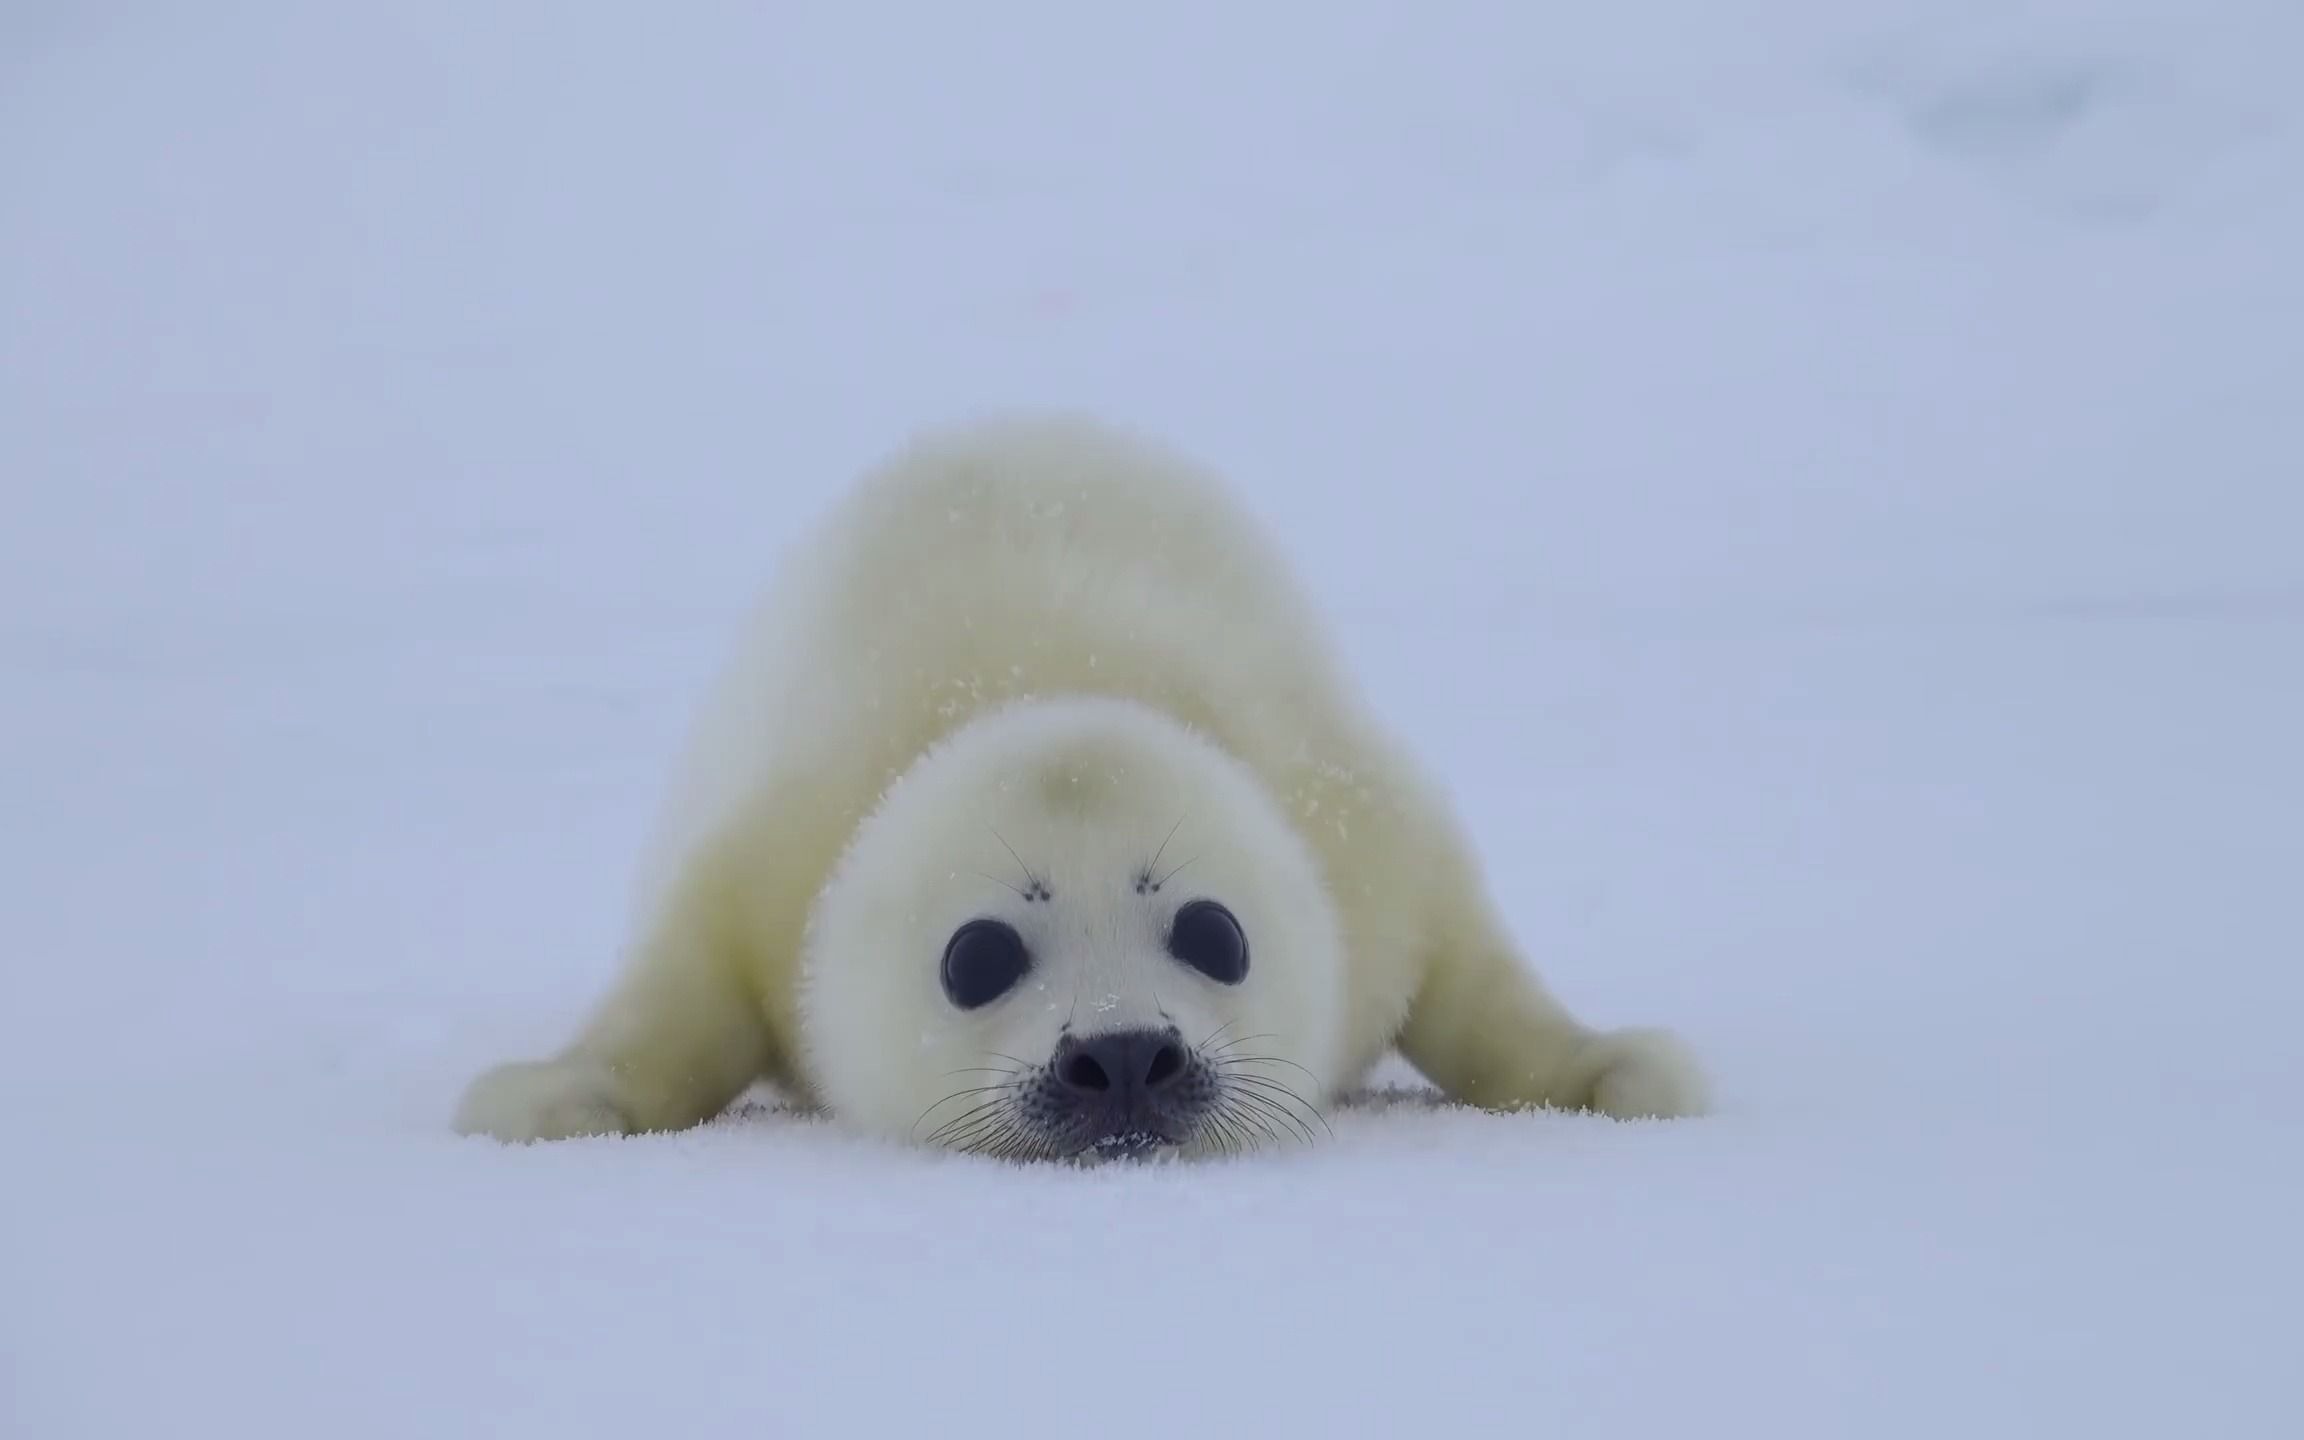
1035,818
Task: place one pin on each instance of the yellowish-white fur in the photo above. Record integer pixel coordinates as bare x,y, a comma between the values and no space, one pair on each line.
1041,651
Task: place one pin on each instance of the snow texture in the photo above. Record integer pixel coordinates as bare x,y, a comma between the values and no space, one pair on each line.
1823,483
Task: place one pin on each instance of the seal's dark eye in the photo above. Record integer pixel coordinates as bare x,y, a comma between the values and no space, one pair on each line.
1206,937
982,962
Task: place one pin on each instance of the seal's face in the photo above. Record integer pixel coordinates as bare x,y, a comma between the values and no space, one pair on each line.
1128,1079
1075,931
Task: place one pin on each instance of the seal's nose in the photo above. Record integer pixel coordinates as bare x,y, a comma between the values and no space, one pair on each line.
1119,1065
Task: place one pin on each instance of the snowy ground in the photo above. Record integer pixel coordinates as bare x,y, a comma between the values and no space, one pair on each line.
1824,482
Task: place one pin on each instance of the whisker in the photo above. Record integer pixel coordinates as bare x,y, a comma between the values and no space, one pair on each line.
1272,1109
981,1112
1216,1137
956,1095
1257,1119
1237,1139
1013,1143
1263,1060
1253,1077
958,1135
1267,1086
1031,881
982,1141
988,1089
1154,863
1273,1089
1202,1047
1230,1045
1255,1126
985,1129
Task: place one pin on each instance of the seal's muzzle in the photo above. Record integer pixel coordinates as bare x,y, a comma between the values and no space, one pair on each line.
1123,1092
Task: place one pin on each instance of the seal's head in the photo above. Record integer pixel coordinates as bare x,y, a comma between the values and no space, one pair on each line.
1076,930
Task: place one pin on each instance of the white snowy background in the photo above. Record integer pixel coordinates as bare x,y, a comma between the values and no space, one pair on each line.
1822,481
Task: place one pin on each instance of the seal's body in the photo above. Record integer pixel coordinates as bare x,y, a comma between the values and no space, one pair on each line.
1036,817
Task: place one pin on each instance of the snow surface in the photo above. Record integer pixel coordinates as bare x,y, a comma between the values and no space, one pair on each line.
1822,481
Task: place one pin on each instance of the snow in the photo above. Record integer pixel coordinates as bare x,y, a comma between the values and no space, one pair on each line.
1821,482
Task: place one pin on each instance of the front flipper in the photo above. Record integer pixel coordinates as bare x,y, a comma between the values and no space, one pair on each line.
1485,1029
525,1100
678,1038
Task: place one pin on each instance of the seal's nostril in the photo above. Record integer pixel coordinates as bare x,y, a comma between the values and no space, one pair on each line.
1120,1063
1165,1066
1082,1072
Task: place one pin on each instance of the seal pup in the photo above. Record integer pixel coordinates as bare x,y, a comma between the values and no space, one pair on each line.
1035,816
